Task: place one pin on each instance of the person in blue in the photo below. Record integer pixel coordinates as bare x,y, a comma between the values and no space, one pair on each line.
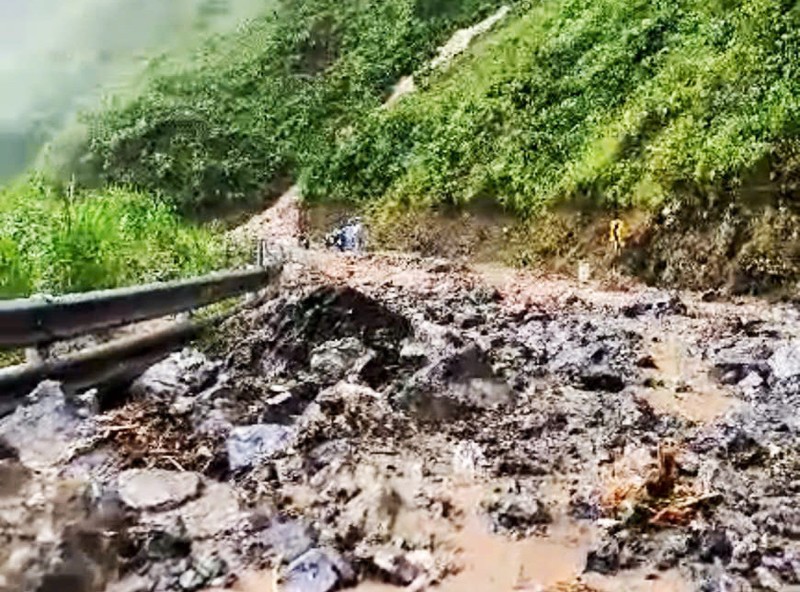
348,238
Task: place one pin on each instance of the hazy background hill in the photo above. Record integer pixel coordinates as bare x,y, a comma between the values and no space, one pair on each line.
58,57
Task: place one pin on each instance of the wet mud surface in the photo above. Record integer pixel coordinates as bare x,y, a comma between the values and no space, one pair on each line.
389,422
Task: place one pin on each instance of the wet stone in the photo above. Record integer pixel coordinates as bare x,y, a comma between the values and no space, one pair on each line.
317,570
286,538
157,489
605,559
250,445
517,513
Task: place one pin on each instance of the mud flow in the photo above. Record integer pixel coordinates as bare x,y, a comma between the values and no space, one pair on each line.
387,422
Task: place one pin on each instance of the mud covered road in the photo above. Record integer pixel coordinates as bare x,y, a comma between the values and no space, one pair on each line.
389,422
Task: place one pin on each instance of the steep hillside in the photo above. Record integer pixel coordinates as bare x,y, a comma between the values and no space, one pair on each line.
626,103
612,104
253,107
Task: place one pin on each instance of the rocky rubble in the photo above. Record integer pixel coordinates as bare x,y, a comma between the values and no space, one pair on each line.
352,431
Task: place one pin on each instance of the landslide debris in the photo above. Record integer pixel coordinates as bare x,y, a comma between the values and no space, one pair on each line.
364,431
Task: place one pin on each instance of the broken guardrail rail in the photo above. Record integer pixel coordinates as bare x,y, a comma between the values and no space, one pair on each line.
43,321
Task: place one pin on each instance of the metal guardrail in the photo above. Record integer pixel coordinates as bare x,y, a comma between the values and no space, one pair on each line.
37,322
34,321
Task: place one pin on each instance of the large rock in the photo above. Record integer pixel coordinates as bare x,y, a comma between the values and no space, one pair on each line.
181,374
333,360
41,431
249,445
317,570
785,362
458,384
156,489
216,511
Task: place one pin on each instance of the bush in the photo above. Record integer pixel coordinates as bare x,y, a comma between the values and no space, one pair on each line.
52,241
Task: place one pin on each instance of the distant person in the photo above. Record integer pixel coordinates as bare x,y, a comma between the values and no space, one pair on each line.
617,235
348,238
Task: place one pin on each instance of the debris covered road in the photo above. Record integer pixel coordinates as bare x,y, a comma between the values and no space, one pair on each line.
389,422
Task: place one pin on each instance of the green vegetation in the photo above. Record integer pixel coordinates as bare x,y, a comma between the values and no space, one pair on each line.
609,103
55,241
616,102
256,106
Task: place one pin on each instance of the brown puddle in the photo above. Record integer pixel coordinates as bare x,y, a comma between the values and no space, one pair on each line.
552,563
494,563
703,400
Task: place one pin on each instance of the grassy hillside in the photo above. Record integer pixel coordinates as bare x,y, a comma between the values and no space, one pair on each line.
619,102
255,106
54,241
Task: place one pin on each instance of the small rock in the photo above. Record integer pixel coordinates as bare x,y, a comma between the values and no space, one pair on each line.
399,568
191,580
715,544
182,406
317,570
181,374
752,381
249,445
671,552
768,580
168,542
605,559
157,489
412,351
517,513
287,538
468,457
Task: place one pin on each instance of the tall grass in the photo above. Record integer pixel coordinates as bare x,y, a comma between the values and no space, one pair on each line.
57,241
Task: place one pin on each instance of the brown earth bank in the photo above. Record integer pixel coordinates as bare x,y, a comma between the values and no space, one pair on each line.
392,421
748,247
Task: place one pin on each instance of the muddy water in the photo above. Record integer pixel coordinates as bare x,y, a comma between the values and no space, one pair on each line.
688,388
495,563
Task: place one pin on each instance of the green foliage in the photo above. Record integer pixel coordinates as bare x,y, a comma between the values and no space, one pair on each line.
257,105
623,102
53,241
